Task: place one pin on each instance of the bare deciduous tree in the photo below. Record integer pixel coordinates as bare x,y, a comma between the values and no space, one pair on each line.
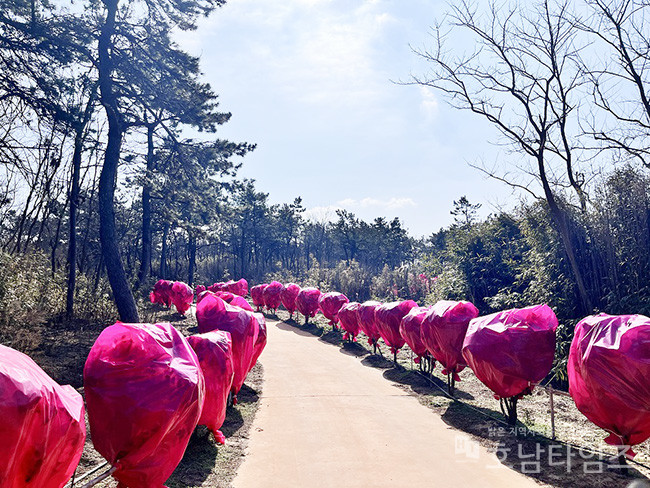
620,85
523,77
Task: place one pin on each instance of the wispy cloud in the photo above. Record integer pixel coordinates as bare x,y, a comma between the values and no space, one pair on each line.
392,203
317,51
429,102
335,56
327,213
400,203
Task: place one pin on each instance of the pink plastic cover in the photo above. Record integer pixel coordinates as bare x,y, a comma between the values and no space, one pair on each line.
368,321
214,350
307,301
42,425
182,296
443,332
410,330
350,320
513,350
144,390
213,313
228,297
272,295
215,287
260,344
330,303
202,295
239,287
388,319
288,296
162,293
257,295
241,302
609,367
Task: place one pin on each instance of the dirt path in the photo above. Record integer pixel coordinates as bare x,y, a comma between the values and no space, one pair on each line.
325,420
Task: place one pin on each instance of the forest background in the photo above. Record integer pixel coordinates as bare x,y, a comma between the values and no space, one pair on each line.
112,174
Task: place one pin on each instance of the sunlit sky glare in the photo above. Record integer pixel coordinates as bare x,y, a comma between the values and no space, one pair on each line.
312,83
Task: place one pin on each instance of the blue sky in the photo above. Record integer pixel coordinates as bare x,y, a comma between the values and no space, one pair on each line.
311,82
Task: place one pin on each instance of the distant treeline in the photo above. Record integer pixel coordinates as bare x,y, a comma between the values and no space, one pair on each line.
99,179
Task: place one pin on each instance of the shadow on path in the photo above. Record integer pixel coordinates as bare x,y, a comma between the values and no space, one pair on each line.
416,382
332,336
301,331
377,361
353,349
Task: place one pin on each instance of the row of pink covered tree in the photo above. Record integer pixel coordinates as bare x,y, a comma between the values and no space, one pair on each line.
147,387
510,351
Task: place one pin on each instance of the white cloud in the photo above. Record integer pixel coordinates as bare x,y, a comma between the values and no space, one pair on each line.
370,202
392,203
429,103
334,58
348,202
317,51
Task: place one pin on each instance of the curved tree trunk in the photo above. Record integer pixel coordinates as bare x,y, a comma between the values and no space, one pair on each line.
110,248
559,217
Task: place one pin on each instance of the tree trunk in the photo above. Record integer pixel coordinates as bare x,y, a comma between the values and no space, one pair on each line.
98,275
177,266
242,251
83,259
191,247
562,226
145,263
163,253
55,242
72,229
74,204
110,249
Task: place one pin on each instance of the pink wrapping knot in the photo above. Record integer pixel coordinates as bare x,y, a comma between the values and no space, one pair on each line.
616,440
219,437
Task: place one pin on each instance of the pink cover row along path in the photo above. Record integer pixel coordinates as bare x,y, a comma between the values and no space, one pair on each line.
327,421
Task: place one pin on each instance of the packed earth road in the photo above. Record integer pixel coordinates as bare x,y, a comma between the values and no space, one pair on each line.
325,420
